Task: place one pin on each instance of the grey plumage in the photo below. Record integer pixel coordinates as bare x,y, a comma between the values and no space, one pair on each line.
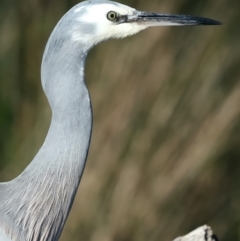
34,206
3,236
40,198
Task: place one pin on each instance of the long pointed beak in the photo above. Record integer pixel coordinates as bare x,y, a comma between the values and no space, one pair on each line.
156,19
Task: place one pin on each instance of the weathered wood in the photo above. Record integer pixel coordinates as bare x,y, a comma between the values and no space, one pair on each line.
203,233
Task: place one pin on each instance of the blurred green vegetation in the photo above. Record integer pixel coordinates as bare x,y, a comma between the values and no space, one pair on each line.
165,150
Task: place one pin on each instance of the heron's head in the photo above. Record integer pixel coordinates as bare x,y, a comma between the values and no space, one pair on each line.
98,20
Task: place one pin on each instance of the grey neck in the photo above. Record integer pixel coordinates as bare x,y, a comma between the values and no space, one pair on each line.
39,200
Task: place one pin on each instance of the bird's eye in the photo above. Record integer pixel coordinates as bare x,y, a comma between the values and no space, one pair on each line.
112,16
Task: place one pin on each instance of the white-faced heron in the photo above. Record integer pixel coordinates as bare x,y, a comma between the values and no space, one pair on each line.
35,205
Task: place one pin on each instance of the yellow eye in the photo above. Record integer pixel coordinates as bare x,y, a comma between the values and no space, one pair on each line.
112,16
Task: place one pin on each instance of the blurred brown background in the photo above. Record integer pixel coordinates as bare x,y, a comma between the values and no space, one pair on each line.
165,150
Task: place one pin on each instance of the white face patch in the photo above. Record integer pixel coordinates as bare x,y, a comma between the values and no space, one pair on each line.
98,12
96,15
78,9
